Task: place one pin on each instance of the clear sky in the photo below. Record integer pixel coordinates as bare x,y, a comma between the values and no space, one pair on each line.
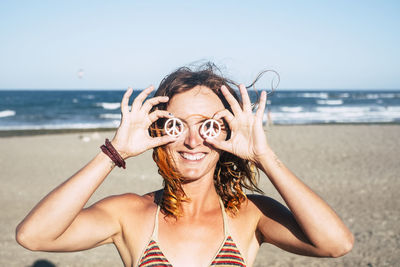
312,44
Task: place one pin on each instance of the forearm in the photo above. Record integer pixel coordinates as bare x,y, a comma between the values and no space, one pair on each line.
316,218
55,213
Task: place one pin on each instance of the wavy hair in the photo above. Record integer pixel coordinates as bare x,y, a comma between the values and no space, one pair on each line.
232,174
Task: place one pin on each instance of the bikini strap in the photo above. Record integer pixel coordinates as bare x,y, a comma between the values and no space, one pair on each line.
224,217
154,236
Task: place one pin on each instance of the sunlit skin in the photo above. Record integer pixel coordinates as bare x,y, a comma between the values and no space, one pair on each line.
193,156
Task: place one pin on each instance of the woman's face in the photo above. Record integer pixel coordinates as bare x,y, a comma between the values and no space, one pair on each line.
193,157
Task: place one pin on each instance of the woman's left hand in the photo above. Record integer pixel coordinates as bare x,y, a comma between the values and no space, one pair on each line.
248,140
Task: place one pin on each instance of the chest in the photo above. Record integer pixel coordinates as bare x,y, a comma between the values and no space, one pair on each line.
187,242
195,243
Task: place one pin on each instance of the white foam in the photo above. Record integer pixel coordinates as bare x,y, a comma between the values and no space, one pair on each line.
330,102
314,95
344,95
298,118
342,109
359,114
110,116
291,109
7,113
388,95
382,95
108,105
372,96
393,108
379,95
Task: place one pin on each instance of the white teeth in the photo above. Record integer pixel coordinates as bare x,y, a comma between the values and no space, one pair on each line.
196,156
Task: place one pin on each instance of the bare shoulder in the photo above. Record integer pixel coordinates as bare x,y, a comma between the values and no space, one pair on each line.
247,216
131,211
249,213
247,209
128,204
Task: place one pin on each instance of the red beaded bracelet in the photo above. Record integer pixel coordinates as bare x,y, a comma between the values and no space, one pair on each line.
113,154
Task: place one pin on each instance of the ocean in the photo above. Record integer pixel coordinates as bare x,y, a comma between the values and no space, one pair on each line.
89,109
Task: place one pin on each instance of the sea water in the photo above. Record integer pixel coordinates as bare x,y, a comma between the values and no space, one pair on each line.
85,109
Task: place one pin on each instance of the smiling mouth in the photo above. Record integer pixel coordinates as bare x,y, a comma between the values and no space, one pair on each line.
193,157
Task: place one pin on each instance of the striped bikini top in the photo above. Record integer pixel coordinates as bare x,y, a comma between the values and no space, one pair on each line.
228,255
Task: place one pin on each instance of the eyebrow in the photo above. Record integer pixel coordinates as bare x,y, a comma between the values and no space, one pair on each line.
200,115
203,118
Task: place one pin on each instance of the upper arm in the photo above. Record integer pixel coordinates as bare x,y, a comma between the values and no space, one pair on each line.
278,226
92,227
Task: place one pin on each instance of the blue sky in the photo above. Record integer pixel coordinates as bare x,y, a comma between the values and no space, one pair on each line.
312,44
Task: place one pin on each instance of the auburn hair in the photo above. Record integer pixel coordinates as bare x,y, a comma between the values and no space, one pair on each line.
232,174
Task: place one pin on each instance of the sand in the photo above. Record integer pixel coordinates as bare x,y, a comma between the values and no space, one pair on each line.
355,168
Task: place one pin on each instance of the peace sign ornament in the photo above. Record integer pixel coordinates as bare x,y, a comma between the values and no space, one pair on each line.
210,128
173,127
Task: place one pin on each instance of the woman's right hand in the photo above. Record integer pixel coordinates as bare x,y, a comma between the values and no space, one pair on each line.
132,137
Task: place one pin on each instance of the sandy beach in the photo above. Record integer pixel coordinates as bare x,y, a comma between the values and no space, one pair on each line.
355,168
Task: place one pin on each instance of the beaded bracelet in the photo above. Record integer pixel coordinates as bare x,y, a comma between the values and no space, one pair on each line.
113,154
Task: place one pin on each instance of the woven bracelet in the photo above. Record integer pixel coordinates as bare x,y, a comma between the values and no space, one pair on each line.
113,154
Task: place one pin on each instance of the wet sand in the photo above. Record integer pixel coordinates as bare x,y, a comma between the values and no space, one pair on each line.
355,168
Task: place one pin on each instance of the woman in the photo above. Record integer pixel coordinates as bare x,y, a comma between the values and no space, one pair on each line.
201,217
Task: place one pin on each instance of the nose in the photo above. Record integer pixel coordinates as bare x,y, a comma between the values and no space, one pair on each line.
193,138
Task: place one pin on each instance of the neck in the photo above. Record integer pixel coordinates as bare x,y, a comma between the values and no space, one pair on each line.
202,194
